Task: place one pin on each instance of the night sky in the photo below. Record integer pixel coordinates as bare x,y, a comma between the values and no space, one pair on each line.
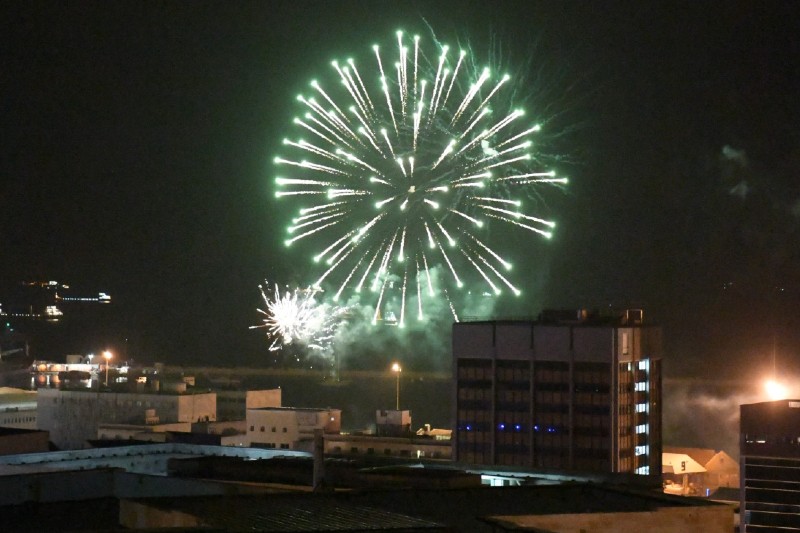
136,146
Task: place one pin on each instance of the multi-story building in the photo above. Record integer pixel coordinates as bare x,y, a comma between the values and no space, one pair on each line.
290,428
74,416
570,390
769,459
393,438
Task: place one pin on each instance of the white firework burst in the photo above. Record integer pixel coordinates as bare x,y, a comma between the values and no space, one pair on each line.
401,170
295,317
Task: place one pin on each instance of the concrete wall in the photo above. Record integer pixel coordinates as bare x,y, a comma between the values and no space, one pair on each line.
233,404
263,398
283,428
397,447
20,419
73,417
17,408
127,432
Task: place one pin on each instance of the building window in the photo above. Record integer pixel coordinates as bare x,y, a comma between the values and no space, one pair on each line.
353,450
252,428
284,430
273,429
625,346
262,429
284,446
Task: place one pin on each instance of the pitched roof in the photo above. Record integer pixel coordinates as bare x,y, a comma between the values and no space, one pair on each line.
701,455
680,463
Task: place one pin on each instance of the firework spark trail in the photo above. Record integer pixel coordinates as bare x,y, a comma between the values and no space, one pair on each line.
403,154
295,317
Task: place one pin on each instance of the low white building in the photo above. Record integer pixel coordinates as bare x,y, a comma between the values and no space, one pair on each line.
290,428
74,416
17,408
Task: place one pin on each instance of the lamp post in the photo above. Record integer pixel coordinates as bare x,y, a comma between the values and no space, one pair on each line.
396,369
107,357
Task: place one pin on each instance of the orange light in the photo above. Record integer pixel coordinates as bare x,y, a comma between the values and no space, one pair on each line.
775,390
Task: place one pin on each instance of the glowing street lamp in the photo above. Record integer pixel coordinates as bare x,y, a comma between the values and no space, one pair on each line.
107,357
396,369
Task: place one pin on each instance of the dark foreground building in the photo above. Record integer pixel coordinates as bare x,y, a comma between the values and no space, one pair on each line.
571,390
770,466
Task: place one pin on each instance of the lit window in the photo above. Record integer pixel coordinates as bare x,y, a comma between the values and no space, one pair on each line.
642,450
641,428
641,407
641,386
644,364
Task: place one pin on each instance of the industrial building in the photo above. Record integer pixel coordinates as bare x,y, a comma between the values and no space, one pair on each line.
770,466
151,487
73,417
393,438
571,390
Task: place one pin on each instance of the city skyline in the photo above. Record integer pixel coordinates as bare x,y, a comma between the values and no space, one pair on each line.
140,139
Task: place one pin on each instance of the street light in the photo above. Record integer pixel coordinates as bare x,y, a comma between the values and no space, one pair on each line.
396,369
107,357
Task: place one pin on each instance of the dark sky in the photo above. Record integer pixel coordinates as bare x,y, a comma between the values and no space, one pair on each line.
136,142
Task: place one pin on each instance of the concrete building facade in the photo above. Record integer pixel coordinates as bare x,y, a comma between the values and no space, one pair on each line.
403,447
73,416
290,428
570,390
233,404
769,459
17,408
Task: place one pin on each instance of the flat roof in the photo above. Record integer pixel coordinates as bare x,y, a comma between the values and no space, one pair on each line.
460,509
